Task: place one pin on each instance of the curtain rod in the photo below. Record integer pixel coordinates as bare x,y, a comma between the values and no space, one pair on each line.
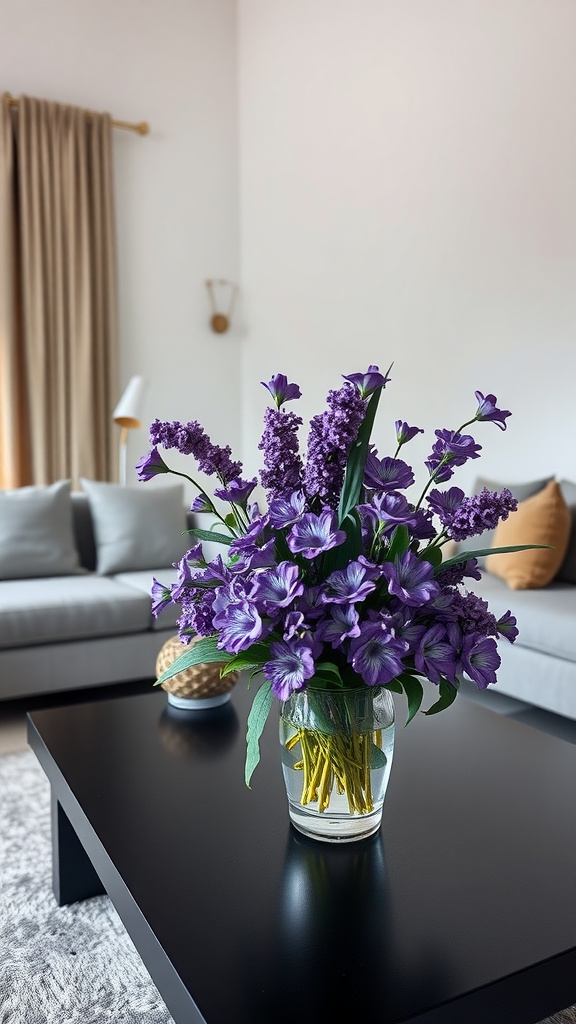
141,129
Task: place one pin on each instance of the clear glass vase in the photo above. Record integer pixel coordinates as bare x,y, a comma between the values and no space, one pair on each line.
337,749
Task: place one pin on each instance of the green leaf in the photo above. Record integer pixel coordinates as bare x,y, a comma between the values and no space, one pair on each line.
256,722
414,694
448,694
202,652
432,554
254,657
395,686
354,476
230,520
281,549
378,758
399,543
338,558
462,556
218,538
327,670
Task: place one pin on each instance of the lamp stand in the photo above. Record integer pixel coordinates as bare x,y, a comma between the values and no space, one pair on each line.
122,455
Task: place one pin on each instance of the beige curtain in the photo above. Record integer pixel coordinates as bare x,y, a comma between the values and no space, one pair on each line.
58,295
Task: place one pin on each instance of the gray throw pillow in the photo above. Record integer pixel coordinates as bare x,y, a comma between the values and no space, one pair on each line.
519,491
137,527
567,571
36,533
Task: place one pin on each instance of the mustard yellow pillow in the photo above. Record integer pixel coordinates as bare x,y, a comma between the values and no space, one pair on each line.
542,519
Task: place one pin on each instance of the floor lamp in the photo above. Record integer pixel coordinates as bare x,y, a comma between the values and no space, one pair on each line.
127,416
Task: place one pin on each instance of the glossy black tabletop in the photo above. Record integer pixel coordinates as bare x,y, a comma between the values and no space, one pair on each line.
462,908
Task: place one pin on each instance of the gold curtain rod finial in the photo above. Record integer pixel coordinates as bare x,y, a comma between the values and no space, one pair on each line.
142,128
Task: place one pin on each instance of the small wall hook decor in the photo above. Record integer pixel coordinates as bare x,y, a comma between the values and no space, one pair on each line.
221,293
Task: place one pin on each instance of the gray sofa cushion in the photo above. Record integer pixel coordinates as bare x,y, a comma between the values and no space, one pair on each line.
567,571
142,582
545,617
138,527
36,535
68,608
519,491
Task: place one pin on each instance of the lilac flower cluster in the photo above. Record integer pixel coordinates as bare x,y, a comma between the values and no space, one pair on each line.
283,472
191,439
467,517
322,591
331,435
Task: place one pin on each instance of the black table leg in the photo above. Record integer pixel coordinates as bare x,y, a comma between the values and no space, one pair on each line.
73,876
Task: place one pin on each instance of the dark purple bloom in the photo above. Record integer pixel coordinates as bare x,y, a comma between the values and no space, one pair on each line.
277,588
454,574
281,390
487,411
394,510
191,439
283,473
311,534
292,623
312,602
258,556
434,656
197,615
214,572
506,626
256,546
290,666
473,614
387,474
451,449
237,491
236,619
411,579
350,585
329,441
151,465
194,556
341,624
184,581
481,512
202,503
445,503
376,655
285,511
367,382
480,659
405,433
405,626
161,597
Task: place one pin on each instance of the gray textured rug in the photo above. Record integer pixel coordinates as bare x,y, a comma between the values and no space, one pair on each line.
66,965
58,965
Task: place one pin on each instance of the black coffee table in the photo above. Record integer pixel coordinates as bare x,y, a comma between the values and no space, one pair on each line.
462,909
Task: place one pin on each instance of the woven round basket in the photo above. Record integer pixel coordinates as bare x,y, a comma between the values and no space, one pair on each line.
199,682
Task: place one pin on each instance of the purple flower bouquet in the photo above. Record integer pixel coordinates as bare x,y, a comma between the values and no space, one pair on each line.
340,584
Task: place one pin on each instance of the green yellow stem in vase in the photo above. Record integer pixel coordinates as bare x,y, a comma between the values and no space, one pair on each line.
337,761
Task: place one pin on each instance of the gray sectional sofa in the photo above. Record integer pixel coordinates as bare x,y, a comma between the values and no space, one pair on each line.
85,625
91,624
540,666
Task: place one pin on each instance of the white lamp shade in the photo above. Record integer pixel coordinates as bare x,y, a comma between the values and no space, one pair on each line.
127,412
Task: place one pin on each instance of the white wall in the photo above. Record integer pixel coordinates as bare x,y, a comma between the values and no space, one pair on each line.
408,194
174,65
407,180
